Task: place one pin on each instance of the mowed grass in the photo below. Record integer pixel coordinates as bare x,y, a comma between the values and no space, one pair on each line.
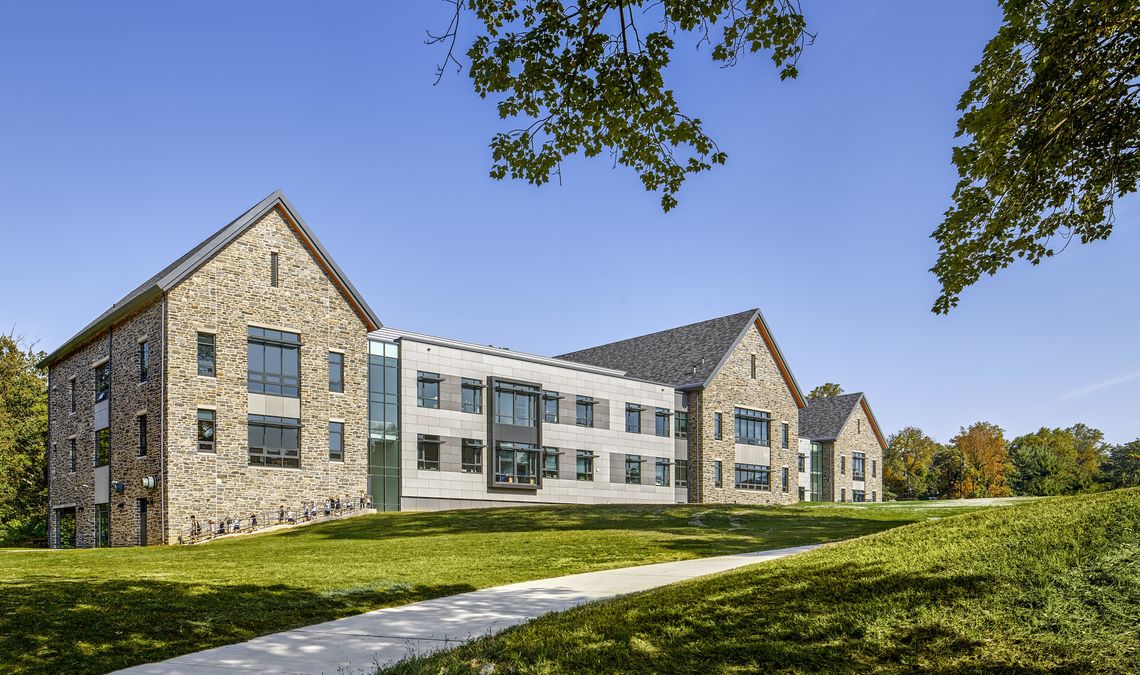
1048,586
97,610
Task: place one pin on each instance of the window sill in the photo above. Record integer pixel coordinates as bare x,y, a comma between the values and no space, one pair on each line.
272,468
530,487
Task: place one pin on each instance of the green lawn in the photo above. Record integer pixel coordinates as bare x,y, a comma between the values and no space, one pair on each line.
1047,586
96,610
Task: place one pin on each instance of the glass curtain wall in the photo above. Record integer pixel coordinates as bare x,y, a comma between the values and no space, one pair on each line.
384,425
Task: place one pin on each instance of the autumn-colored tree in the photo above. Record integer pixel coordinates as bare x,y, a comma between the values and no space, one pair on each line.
825,390
907,463
985,451
949,474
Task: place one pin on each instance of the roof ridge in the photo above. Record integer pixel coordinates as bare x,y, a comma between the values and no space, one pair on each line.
659,332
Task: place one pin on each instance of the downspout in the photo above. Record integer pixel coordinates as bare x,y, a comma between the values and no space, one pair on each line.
47,469
110,431
162,428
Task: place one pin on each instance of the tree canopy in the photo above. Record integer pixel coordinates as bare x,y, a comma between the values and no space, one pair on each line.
23,440
825,390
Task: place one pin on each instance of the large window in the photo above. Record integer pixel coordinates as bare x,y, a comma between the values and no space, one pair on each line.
661,422
753,477
472,456
142,435
427,389
427,452
336,441
633,418
336,372
633,469
516,463
516,404
144,360
550,406
584,411
103,447
718,426
858,466
752,426
661,472
206,441
274,441
274,362
207,365
681,473
584,465
681,424
102,381
550,462
858,496
472,399
718,474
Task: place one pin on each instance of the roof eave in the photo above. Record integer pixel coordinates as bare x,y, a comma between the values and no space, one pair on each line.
105,320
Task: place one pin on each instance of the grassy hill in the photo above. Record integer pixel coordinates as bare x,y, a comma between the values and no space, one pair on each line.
97,610
1049,586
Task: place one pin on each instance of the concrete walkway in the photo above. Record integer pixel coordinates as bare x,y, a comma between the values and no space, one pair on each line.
362,643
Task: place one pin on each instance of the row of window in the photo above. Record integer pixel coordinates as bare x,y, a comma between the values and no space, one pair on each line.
750,477
274,362
272,441
858,466
857,495
753,427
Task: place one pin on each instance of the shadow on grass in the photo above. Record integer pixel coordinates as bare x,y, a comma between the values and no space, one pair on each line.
84,626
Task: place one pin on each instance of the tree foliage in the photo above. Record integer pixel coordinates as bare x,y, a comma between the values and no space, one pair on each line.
1056,461
985,455
23,440
589,77
907,463
1052,119
825,390
1121,468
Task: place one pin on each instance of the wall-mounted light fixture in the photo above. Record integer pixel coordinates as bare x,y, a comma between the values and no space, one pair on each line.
149,482
118,487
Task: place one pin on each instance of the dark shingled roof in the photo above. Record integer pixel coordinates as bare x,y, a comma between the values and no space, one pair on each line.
678,356
824,418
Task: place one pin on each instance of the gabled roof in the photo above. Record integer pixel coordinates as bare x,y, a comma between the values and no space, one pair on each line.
824,418
687,356
178,270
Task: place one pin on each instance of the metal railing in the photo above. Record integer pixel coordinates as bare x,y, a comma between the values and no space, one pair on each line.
197,530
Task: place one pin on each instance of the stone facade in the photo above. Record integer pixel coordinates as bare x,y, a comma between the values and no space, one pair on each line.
224,297
733,386
857,435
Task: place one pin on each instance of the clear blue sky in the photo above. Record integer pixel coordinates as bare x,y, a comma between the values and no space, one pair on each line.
128,132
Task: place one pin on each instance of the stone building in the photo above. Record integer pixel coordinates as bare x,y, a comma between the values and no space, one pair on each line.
250,376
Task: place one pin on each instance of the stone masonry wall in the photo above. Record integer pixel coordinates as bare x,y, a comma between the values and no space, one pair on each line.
857,436
225,296
733,386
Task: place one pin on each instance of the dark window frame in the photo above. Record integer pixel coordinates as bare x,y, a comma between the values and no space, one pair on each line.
471,456
858,466
427,452
718,474
681,424
633,469
144,360
102,454
584,411
102,381
858,496
71,394
142,433
532,462
271,456
472,389
207,354
681,473
336,441
784,482
336,372
274,269
207,430
550,407
718,426
753,427
549,453
584,465
785,434
267,345
802,465
661,472
633,424
73,450
753,477
514,393
427,389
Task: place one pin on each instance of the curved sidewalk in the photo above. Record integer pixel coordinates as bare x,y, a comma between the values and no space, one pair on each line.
362,643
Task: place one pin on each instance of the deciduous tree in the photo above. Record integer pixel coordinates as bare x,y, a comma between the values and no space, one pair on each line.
23,440
1122,467
985,453
825,390
907,463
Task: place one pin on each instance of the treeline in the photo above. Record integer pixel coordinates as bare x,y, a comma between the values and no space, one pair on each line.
980,462
23,443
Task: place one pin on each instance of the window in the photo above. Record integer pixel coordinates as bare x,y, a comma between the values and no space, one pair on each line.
681,424
633,469
102,525
873,495
802,463
632,418
144,360
427,452
472,399
71,393
427,389
584,465
718,474
754,366
516,464
752,426
584,411
753,477
842,464
842,494
336,441
550,462
472,456
142,435
550,406
718,426
784,479
102,381
516,404
74,458
274,362
858,496
784,435
206,442
274,268
661,420
102,447
874,469
206,356
661,477
802,494
681,473
858,466
274,442
336,372
858,426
